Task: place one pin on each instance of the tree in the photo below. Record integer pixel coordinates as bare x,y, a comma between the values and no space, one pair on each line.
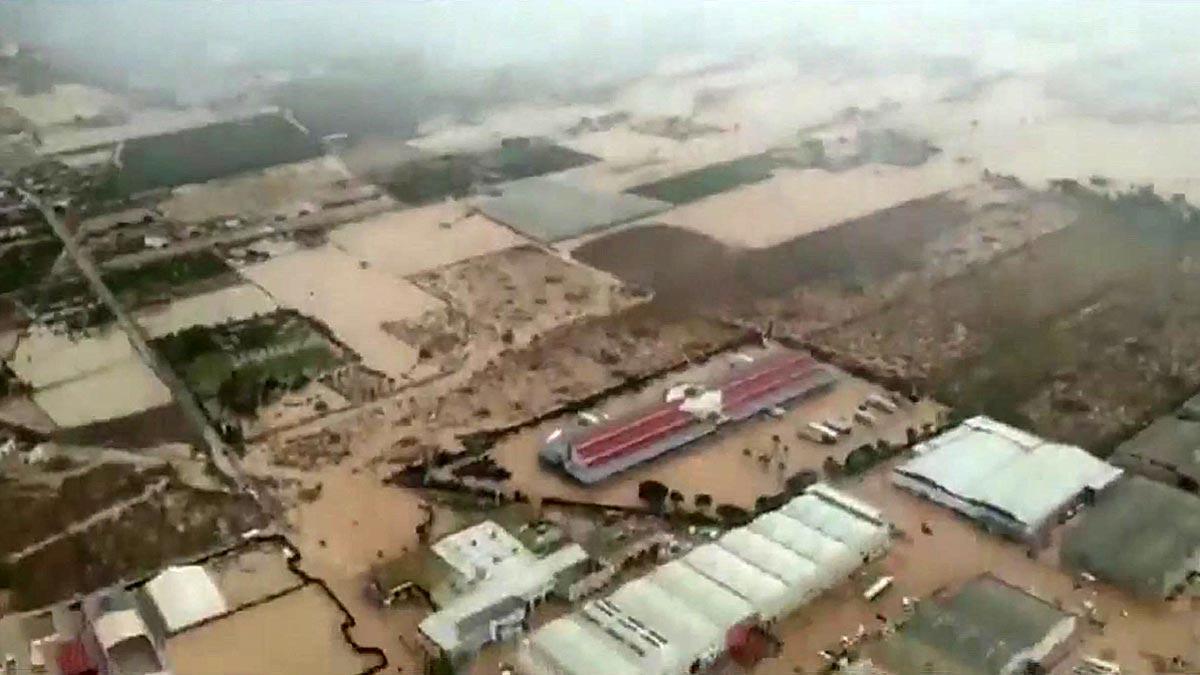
799,481
676,499
861,459
732,515
703,501
653,493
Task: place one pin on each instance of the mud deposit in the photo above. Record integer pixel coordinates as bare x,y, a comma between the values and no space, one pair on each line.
687,269
1081,336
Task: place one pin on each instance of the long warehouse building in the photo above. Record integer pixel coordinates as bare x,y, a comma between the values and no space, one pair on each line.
685,614
592,453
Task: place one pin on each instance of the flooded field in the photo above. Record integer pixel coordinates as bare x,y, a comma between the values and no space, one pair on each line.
123,388
414,240
350,297
234,303
503,300
292,634
1079,336
250,575
285,189
214,151
796,202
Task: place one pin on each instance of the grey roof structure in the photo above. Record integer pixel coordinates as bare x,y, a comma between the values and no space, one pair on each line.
1141,535
550,210
984,468
1167,449
1190,410
987,628
681,615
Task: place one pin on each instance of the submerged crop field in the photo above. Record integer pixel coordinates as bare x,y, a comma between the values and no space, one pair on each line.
208,152
423,181
710,180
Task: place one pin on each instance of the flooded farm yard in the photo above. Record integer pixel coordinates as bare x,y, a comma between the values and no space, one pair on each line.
954,552
298,632
736,465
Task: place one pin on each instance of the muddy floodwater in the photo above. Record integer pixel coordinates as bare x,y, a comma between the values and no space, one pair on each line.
955,552
735,466
296,633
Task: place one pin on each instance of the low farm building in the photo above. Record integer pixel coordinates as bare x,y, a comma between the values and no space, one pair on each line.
687,613
1009,481
1140,535
1168,450
987,628
497,581
592,453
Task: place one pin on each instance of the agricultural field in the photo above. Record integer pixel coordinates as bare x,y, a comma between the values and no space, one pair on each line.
25,264
236,367
1079,336
409,241
426,180
90,519
710,180
203,153
352,299
504,300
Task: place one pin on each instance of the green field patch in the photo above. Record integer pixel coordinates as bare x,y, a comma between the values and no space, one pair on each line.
710,180
164,278
24,264
237,367
209,152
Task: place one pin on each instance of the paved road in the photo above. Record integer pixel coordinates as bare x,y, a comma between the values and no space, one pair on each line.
217,450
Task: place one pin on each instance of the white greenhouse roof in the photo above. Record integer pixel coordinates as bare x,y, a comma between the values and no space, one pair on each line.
185,596
722,606
582,649
770,557
818,547
682,611
688,632
766,592
834,522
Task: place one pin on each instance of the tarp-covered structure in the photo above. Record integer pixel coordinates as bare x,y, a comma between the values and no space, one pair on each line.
1141,535
988,628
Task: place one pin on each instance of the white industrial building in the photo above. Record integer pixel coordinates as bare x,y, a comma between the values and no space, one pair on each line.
1010,481
498,581
682,616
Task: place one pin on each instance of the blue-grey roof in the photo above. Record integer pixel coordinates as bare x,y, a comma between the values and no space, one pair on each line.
986,462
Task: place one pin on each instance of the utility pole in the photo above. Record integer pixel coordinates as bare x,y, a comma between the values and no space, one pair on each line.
217,450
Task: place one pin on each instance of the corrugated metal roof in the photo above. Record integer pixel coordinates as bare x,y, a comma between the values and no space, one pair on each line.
984,461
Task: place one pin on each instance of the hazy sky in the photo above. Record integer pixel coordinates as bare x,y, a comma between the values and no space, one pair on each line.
181,43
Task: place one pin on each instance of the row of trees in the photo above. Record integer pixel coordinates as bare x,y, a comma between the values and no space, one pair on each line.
661,499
